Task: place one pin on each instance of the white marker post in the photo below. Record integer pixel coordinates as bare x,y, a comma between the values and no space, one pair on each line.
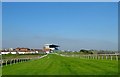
111,57
116,57
106,57
102,57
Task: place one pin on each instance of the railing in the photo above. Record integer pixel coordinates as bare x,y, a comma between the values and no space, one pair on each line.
6,62
97,56
14,61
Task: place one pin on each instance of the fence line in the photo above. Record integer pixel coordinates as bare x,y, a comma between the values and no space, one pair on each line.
97,56
7,62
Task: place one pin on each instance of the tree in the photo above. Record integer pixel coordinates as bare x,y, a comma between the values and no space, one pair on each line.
86,51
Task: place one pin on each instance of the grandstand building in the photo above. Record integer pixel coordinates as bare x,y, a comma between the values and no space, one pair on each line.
49,48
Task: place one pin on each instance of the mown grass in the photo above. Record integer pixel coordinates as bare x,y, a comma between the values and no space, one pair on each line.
59,65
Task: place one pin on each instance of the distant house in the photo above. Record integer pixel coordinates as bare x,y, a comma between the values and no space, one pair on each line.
22,49
4,52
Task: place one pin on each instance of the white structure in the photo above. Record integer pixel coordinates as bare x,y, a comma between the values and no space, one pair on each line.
5,52
13,52
49,48
10,49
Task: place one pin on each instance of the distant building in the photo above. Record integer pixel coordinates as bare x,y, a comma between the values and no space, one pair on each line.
36,51
22,49
10,49
4,52
49,48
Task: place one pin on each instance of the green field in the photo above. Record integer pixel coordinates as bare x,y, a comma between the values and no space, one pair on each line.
58,65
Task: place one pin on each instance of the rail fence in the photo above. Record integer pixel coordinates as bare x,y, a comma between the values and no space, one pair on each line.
6,62
97,56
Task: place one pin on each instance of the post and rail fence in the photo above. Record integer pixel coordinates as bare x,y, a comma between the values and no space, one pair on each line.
95,56
6,62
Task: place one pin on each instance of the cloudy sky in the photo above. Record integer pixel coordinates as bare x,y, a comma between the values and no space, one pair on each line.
74,26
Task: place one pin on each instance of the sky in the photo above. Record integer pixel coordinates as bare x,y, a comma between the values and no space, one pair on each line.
0,25
72,25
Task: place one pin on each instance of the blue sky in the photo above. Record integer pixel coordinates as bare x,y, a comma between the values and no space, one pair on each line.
73,26
0,25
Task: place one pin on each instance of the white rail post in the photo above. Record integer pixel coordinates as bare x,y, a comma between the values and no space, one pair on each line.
13,61
92,57
106,57
116,57
111,57
102,57
96,57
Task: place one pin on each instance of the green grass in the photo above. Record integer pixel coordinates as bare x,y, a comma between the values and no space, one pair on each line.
59,65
